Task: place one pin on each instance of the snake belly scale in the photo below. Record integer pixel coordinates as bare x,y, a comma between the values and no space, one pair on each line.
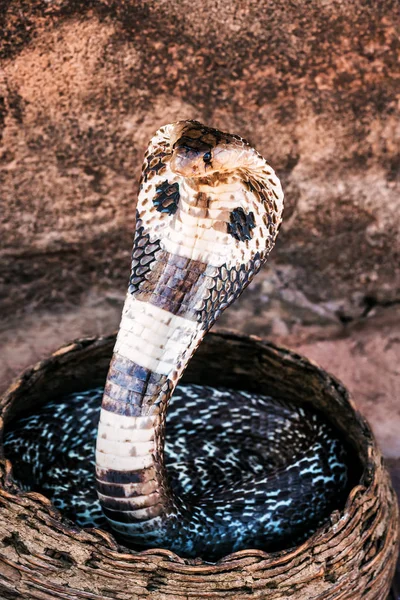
237,470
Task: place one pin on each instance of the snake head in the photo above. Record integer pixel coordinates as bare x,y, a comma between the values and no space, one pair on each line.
201,152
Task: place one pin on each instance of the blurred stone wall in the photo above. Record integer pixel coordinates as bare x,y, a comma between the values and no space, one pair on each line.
314,85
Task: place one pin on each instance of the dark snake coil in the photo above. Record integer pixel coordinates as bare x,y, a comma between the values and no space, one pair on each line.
237,470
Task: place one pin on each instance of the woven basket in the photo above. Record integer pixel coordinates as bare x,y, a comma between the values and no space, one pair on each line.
44,557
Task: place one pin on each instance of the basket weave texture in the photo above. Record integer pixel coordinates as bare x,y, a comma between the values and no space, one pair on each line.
45,557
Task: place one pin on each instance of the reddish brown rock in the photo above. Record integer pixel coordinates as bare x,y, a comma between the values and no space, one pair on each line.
314,86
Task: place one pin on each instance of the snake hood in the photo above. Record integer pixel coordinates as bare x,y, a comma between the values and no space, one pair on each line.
225,201
208,213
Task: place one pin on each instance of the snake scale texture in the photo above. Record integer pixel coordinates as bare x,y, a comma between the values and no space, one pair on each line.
220,470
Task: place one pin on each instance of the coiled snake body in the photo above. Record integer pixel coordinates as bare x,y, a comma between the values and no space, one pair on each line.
238,470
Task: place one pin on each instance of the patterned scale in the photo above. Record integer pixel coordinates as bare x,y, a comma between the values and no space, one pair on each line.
220,444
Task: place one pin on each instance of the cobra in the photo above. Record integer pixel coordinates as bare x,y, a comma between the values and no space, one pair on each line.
238,469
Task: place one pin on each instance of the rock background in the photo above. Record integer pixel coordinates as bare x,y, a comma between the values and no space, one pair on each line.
313,85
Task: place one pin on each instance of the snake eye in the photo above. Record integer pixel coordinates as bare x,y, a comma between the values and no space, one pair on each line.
207,158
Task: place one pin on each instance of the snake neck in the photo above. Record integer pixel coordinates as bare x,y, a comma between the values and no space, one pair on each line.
152,349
